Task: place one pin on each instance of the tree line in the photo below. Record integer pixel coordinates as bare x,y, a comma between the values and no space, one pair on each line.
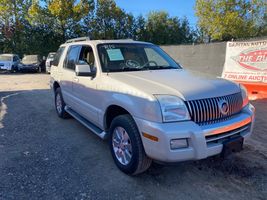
40,26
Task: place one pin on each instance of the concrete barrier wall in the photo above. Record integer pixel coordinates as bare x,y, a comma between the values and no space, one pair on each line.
207,58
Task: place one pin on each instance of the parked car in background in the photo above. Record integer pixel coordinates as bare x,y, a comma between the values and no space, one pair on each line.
30,63
9,62
49,59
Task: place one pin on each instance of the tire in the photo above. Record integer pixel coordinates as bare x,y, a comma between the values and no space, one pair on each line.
13,69
135,160
60,105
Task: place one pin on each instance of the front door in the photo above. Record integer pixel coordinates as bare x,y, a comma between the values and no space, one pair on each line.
84,88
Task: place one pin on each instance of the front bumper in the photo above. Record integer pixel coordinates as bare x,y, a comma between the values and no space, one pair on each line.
5,68
29,69
203,141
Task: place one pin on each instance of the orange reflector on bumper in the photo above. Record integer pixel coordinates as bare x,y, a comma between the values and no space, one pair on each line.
151,137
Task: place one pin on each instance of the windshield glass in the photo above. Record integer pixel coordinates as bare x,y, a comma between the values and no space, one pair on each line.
5,58
117,57
30,58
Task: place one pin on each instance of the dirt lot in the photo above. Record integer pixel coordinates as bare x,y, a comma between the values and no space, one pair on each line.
44,157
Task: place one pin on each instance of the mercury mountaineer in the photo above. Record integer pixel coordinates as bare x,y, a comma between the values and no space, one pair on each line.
148,107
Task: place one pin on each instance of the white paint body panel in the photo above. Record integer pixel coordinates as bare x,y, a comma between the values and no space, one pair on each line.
134,91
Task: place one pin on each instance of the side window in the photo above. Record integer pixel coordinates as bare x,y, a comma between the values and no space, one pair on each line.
58,56
15,58
87,56
154,56
72,57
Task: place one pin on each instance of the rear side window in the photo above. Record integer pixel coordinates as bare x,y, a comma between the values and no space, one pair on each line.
58,56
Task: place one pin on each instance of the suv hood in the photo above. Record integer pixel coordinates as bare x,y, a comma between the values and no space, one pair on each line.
188,85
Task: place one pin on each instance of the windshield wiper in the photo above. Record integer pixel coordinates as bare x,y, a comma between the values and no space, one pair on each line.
125,69
158,67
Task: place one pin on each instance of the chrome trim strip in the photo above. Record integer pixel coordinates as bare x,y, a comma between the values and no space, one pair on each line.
228,127
227,135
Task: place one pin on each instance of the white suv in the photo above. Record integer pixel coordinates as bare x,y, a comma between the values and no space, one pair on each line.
146,104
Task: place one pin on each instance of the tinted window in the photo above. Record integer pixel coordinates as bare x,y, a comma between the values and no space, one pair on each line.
72,57
87,56
58,56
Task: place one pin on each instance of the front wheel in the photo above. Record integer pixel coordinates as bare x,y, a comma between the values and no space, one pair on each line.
126,146
13,69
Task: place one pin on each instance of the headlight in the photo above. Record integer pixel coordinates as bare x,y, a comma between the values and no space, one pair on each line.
244,95
172,108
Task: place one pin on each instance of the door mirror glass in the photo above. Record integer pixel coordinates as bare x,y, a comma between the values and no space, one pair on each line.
83,69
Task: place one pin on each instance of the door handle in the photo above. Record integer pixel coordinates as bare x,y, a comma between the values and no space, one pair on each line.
76,79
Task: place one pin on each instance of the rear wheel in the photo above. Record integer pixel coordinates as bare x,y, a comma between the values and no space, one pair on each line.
126,146
60,104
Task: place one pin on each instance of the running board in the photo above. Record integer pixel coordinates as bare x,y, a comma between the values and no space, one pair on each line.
102,134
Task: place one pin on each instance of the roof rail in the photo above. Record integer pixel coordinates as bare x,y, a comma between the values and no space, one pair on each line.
78,39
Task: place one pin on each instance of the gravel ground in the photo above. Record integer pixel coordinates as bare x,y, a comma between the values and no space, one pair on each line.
44,157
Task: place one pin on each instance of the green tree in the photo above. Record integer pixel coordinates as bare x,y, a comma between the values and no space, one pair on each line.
162,29
227,19
65,16
12,23
139,28
109,21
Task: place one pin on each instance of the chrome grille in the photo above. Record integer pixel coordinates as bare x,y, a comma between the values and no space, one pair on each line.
207,111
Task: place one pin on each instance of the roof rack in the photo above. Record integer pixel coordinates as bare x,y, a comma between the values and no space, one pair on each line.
80,39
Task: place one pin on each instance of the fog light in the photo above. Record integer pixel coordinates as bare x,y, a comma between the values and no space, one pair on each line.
178,143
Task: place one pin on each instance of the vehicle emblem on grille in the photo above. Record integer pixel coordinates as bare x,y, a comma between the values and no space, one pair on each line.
223,106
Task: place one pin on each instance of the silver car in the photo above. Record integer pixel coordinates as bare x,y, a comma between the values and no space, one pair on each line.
9,62
146,104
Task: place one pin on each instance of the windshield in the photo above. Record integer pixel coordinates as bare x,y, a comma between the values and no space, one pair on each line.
117,57
5,58
33,58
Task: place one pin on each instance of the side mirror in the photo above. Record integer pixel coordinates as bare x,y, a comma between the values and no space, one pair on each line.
85,70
